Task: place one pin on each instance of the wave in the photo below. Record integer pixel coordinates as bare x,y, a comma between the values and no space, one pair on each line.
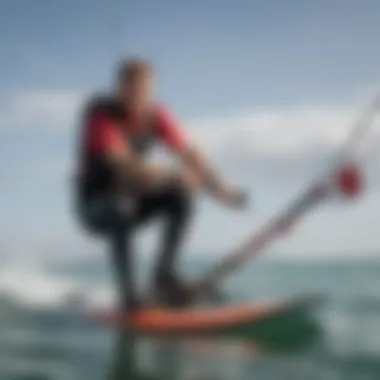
34,286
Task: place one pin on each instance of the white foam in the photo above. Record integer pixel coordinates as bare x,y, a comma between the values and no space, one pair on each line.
32,286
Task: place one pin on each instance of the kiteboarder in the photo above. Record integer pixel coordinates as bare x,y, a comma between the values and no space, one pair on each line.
119,188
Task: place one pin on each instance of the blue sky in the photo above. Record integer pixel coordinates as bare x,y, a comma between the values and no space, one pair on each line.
256,82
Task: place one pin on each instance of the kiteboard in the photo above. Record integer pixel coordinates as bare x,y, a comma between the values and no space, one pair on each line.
254,320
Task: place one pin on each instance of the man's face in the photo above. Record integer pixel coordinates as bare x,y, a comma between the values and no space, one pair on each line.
139,92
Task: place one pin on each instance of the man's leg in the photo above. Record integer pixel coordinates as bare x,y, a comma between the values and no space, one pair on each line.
177,210
106,217
120,233
122,258
175,206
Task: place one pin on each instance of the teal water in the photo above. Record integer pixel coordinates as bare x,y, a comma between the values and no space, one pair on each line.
40,338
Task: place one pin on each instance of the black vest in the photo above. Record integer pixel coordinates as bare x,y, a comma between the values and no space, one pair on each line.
95,176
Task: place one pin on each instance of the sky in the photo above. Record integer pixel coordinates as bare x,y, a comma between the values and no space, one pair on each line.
269,89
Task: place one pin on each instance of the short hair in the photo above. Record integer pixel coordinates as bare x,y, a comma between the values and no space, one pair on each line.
130,69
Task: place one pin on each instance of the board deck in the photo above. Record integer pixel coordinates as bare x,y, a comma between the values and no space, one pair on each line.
244,320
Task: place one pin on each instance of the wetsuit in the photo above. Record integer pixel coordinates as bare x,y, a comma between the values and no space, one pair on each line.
107,123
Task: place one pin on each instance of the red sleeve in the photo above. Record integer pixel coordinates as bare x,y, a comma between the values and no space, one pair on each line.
169,130
103,134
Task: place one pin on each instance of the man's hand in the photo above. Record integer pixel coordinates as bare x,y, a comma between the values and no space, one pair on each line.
202,175
192,180
232,197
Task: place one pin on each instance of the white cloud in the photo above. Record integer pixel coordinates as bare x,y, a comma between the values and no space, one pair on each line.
286,145
44,110
278,132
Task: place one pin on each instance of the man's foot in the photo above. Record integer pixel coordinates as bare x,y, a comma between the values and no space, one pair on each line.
170,291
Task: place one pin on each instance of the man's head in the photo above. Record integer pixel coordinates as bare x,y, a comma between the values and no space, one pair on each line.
135,83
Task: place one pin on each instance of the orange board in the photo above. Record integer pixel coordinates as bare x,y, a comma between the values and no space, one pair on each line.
163,320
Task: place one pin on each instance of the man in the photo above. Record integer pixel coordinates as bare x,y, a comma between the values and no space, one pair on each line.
119,189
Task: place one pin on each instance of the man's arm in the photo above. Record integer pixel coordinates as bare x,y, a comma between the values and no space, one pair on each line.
210,179
194,159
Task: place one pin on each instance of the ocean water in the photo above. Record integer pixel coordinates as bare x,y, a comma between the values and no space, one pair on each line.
41,337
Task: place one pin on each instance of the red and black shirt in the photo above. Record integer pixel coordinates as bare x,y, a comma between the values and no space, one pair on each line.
107,125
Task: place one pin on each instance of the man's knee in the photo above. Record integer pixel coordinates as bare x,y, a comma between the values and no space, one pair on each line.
180,202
